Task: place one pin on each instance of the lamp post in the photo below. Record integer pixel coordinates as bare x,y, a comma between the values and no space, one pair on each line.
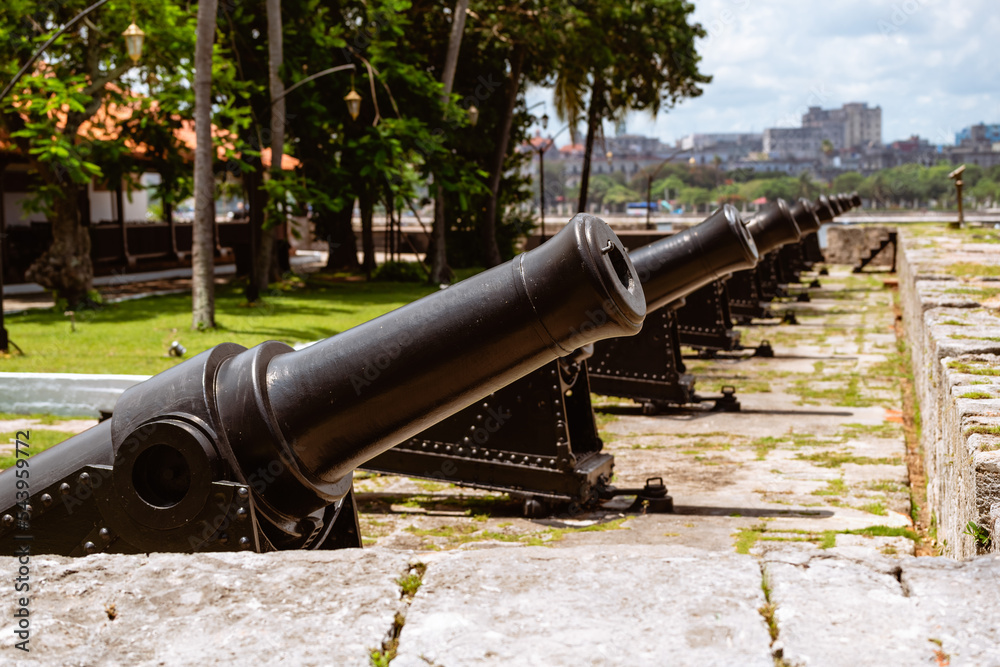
649,185
541,173
134,37
544,146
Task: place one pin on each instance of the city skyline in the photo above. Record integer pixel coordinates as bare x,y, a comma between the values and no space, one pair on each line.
925,62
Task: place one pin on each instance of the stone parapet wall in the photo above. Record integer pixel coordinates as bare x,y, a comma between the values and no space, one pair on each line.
845,244
950,294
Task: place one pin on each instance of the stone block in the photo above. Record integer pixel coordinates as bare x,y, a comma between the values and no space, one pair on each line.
301,608
628,605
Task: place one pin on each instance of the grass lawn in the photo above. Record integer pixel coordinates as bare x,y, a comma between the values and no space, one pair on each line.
132,337
39,441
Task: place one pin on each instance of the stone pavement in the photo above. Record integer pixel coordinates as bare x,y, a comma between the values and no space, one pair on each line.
792,544
599,605
817,450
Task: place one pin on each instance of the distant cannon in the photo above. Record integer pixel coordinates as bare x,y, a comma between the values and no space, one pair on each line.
651,370
771,228
536,438
239,449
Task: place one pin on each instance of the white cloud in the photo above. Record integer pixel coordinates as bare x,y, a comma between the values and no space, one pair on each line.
930,64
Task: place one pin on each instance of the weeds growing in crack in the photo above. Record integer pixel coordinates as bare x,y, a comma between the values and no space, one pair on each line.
767,611
408,584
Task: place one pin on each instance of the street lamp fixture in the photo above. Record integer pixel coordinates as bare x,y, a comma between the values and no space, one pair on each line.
134,37
545,121
353,103
473,115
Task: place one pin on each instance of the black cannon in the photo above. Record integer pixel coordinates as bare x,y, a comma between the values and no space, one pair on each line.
239,449
650,370
791,260
771,228
536,438
705,321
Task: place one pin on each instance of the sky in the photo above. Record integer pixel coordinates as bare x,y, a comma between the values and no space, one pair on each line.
932,65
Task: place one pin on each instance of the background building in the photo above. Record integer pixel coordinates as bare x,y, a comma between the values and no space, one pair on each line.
851,128
978,134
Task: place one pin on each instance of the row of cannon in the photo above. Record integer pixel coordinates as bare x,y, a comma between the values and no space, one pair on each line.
485,384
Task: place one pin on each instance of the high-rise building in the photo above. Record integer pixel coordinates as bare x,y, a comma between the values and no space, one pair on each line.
852,126
862,126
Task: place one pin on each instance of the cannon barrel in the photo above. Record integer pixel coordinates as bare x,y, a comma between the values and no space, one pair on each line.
845,201
678,265
773,227
824,209
855,200
837,205
804,213
174,468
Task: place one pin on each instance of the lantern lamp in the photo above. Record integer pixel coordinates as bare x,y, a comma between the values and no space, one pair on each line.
353,103
134,37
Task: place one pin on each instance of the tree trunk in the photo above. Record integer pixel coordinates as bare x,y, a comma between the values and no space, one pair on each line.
440,271
593,118
265,264
367,205
203,241
437,253
66,267
342,245
253,182
488,228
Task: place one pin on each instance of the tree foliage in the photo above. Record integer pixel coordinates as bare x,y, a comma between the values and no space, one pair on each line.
80,112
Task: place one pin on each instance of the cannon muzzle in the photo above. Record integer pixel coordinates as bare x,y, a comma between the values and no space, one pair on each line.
805,214
254,448
855,200
773,227
825,210
678,265
837,205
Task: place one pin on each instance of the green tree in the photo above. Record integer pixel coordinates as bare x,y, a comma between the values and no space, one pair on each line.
65,116
695,197
847,182
728,194
626,57
618,195
985,191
